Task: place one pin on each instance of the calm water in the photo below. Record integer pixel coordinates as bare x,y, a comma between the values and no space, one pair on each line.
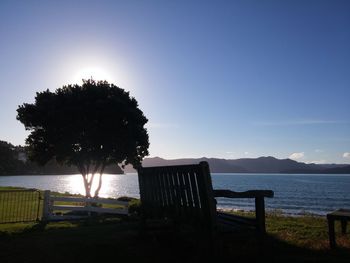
294,194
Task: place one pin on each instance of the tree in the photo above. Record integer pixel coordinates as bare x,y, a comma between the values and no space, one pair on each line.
9,163
89,126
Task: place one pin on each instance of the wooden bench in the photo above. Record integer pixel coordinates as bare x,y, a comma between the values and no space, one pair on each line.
343,215
184,194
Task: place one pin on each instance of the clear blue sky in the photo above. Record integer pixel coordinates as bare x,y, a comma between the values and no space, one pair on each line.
224,79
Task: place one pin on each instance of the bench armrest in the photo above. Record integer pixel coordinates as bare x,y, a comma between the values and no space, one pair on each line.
246,194
259,196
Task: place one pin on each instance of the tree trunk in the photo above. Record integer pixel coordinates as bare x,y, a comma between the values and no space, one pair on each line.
88,182
86,186
97,191
100,181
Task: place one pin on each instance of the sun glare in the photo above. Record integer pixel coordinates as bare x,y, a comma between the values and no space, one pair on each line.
76,185
92,72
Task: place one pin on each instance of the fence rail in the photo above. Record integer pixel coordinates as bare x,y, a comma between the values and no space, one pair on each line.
80,204
19,205
26,205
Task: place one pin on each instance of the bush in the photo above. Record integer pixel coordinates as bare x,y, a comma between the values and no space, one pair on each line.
134,207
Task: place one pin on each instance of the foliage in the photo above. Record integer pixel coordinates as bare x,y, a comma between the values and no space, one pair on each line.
88,126
9,163
135,207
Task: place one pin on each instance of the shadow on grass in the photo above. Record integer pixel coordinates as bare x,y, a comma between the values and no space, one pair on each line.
103,240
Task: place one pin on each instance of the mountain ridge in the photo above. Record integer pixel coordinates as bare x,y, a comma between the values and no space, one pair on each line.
264,164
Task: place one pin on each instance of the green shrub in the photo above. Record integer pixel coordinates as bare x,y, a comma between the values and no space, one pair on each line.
134,207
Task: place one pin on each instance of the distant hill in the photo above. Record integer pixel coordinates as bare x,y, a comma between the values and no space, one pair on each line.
251,165
53,168
336,170
13,161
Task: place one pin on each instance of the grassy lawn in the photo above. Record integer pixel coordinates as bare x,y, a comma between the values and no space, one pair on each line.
27,206
289,239
308,235
302,239
19,204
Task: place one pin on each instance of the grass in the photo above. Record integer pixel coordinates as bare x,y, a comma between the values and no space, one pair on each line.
289,239
28,206
300,239
19,205
308,231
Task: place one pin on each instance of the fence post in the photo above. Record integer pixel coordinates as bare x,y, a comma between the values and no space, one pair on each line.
46,206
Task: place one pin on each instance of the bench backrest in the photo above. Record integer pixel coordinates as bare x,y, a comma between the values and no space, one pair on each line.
183,193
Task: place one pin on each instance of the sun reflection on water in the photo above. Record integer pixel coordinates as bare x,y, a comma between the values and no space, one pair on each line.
113,185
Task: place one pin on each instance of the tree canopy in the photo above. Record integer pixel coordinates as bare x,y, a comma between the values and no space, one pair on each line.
9,163
89,126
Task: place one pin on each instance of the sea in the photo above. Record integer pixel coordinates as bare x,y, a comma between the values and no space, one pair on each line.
294,194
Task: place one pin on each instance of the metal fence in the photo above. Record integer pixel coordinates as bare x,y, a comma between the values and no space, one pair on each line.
19,205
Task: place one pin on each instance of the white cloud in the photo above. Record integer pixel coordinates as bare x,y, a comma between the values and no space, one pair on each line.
319,151
296,156
318,162
346,155
246,153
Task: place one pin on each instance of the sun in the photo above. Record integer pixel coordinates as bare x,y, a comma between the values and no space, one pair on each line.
95,73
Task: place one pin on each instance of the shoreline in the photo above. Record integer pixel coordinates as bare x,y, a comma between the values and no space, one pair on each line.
212,173
268,212
272,212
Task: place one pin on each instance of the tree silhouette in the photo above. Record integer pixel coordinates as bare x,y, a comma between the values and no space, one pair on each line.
89,126
9,163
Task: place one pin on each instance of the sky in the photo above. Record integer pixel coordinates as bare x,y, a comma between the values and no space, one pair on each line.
225,79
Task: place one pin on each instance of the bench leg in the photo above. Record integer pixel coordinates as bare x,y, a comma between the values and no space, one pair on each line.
343,226
260,214
331,233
